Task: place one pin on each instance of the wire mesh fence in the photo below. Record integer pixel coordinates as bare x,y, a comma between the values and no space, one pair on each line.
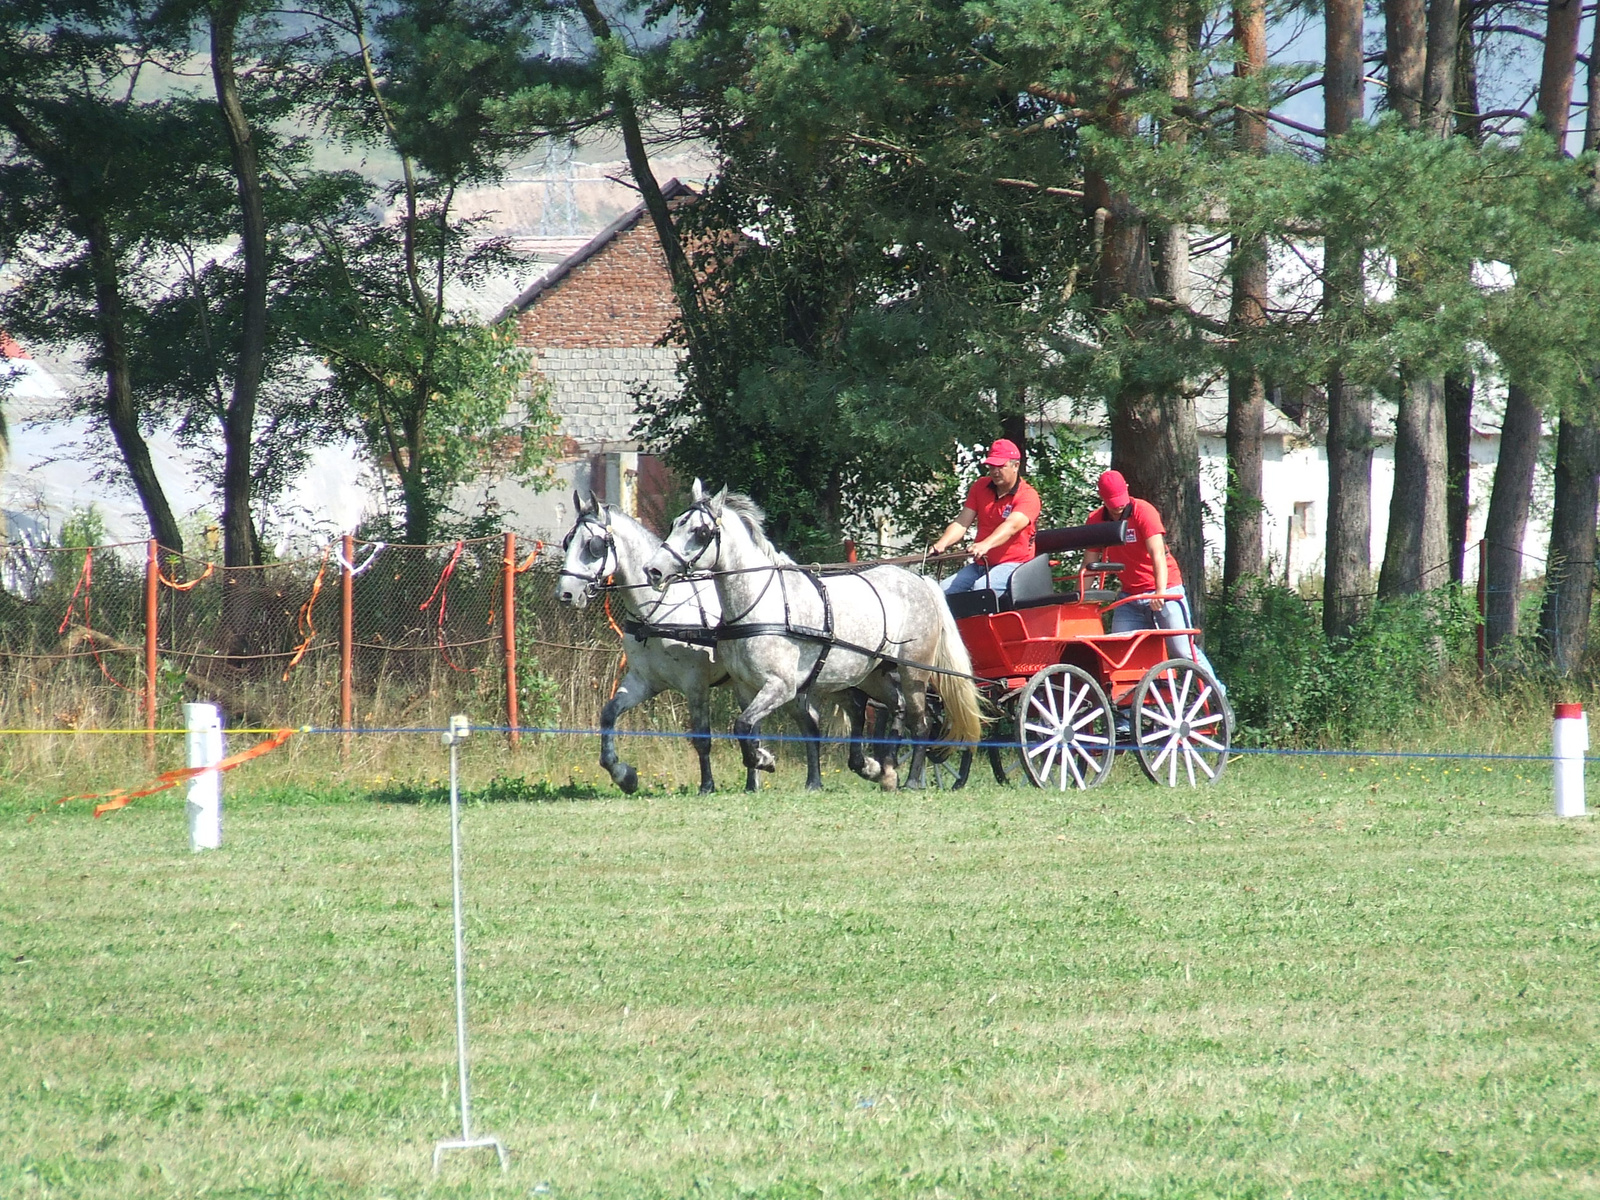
357,633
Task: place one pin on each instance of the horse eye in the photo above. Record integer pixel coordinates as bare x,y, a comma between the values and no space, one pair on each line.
596,547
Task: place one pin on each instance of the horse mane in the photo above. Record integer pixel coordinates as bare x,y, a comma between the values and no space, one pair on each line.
609,512
751,513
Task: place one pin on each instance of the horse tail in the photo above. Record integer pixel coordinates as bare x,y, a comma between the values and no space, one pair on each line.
959,693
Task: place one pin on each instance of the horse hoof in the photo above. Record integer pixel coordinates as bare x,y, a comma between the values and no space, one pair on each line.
890,781
629,781
707,788
871,769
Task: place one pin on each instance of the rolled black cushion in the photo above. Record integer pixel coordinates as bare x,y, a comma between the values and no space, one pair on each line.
1080,537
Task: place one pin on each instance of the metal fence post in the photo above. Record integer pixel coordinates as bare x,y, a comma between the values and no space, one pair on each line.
152,582
347,637
508,609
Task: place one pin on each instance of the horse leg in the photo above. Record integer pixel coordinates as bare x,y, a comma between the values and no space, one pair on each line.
810,723
865,765
747,725
916,702
855,707
700,731
752,780
890,724
631,692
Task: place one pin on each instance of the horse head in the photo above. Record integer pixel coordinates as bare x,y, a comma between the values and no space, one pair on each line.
693,543
589,553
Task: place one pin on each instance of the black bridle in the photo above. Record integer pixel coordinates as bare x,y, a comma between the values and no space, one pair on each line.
601,545
712,538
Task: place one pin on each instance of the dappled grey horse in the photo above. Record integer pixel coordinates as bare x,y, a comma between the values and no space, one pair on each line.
789,634
607,544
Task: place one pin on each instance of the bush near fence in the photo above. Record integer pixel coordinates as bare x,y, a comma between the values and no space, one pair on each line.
427,637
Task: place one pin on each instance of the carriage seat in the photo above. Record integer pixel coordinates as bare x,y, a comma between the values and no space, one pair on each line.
1030,585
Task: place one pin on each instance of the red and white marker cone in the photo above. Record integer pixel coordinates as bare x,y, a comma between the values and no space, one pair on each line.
1569,742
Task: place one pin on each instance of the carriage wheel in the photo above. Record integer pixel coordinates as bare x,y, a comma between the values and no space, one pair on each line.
1065,729
1000,747
1005,760
1180,724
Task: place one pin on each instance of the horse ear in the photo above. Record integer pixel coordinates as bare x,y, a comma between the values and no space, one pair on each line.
719,500
577,503
698,491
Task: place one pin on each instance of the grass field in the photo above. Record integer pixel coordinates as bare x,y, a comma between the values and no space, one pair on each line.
1321,978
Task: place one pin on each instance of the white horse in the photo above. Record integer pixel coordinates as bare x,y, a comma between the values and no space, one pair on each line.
791,635
605,544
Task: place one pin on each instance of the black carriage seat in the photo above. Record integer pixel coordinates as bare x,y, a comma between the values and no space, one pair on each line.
979,603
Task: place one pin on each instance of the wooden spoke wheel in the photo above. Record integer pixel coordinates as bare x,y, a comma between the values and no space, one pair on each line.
1005,760
1065,729
1180,724
1000,746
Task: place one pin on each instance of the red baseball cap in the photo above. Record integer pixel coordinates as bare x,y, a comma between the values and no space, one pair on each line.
1114,489
1003,451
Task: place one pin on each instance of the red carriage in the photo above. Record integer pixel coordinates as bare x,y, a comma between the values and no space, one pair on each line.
1071,695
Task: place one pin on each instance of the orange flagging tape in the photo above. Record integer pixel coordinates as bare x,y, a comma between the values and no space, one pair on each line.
123,797
192,584
305,625
538,549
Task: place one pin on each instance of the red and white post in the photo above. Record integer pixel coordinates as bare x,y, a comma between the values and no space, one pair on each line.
1569,743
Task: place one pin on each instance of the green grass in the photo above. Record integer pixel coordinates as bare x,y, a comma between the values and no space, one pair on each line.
1318,979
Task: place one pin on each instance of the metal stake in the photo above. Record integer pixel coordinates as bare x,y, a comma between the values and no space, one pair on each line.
459,728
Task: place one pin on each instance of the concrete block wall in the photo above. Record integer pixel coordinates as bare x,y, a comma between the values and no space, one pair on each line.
593,389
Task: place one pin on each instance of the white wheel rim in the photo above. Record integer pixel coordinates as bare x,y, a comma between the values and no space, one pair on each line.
1175,719
1057,712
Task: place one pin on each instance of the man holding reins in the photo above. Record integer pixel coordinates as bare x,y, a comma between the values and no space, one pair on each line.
1006,509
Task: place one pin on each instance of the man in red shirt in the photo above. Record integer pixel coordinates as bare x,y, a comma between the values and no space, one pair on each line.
1007,512
1147,566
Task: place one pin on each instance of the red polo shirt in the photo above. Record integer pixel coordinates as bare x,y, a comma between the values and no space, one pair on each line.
1138,570
993,509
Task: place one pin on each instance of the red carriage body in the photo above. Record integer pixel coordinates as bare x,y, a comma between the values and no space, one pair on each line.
1070,694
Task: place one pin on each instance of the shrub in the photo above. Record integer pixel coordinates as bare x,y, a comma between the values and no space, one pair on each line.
1290,685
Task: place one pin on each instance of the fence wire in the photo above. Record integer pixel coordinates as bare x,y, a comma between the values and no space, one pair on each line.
427,632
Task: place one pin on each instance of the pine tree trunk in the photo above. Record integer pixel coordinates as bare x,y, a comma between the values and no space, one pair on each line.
1458,387
1348,554
1242,509
1405,56
1570,573
1154,440
238,531
1417,550
1507,523
1570,566
1416,557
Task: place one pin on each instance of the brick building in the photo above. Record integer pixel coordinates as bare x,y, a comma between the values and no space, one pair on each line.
595,324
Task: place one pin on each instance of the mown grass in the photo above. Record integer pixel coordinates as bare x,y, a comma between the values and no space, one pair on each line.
1322,978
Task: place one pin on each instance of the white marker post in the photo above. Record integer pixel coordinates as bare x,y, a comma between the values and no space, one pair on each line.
203,740
1569,742
459,728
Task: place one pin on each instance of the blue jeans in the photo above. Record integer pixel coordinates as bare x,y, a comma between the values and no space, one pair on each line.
974,576
1174,614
